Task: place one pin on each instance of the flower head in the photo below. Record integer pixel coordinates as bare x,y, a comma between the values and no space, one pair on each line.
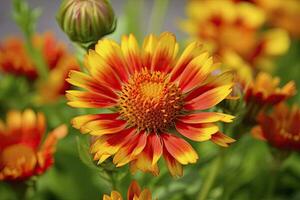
264,90
22,153
86,21
134,193
281,128
58,61
154,97
227,26
283,14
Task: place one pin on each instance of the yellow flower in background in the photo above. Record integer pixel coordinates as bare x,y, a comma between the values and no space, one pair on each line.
22,152
154,98
134,193
236,27
281,128
284,14
15,60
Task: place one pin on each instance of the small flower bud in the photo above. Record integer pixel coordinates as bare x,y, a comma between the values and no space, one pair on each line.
86,21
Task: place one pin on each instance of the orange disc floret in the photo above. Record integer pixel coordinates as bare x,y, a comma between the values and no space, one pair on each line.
157,99
265,90
281,128
134,193
22,152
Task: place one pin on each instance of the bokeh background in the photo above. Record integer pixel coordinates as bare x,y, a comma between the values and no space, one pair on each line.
74,177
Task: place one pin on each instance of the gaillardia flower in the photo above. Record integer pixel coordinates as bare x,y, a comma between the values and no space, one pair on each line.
86,21
22,153
227,26
58,60
134,193
264,90
154,97
281,128
283,14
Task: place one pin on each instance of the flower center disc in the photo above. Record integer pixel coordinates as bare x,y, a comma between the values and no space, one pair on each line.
149,101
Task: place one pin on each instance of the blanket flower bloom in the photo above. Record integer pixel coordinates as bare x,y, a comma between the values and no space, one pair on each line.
227,26
22,153
283,14
57,59
151,94
134,193
281,128
264,90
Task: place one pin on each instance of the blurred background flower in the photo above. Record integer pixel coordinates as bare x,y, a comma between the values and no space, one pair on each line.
23,154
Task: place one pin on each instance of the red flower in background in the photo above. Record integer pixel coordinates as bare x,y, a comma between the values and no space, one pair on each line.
281,128
265,90
15,60
22,152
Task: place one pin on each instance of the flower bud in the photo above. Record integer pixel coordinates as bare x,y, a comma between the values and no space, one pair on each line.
86,21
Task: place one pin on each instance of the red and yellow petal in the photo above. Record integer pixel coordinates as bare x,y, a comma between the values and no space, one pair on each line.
224,79
182,151
131,52
197,132
111,53
134,190
206,117
164,53
173,165
147,160
221,139
99,124
149,46
209,99
102,71
195,72
87,82
45,155
82,99
191,51
107,145
33,128
131,149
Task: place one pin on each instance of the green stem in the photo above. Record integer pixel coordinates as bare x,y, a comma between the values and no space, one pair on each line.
158,14
37,57
209,180
278,159
112,180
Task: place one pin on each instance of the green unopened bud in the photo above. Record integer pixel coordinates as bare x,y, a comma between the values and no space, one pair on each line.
86,21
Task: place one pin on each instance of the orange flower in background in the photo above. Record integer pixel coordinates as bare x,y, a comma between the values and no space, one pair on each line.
154,98
134,193
22,152
281,128
264,90
58,60
227,26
